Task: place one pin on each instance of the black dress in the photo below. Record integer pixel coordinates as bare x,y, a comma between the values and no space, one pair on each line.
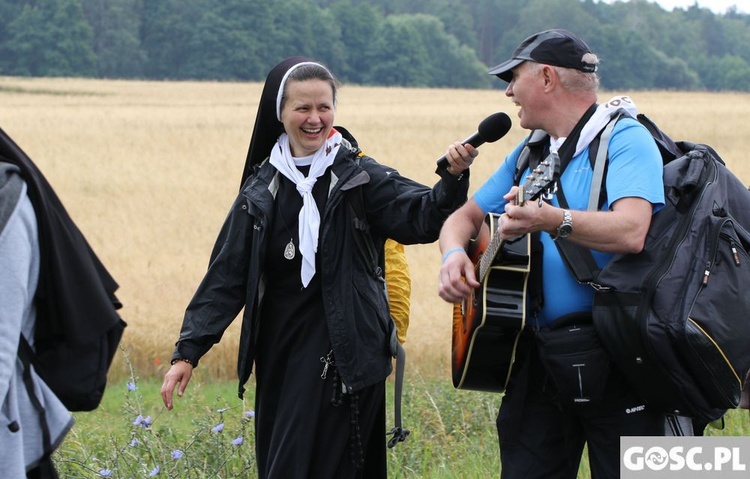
305,427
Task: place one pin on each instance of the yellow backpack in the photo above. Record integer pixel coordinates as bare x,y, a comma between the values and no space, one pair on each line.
398,282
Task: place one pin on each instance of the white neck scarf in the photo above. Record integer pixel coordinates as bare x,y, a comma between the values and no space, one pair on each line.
601,117
309,216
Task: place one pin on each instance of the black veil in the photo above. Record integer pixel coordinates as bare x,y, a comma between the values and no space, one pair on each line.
267,127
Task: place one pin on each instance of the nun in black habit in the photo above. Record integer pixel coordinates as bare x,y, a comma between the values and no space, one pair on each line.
316,325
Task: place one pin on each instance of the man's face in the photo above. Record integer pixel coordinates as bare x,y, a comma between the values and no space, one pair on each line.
526,92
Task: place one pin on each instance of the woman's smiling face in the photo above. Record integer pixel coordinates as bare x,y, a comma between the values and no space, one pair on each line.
307,114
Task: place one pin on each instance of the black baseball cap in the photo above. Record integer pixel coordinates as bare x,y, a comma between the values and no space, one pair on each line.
552,47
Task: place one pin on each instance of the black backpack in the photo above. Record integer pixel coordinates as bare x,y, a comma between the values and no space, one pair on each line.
675,317
78,327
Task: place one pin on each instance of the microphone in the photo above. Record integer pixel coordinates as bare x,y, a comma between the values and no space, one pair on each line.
490,130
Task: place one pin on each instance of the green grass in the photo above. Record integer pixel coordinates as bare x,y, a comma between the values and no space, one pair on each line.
453,433
131,434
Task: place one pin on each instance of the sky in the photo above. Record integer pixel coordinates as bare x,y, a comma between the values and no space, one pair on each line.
716,6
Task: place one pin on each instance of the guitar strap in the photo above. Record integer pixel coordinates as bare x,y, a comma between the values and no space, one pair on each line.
577,259
569,145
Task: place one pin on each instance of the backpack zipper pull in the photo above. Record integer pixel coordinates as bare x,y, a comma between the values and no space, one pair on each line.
706,273
735,254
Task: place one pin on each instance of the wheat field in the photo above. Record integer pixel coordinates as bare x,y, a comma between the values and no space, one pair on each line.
148,171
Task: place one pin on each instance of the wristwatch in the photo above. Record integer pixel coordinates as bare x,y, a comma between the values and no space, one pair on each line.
566,227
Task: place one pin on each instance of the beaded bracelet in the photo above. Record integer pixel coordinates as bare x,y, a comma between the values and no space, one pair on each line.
186,360
451,251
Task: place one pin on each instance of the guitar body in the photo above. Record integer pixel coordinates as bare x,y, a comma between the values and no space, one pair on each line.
487,325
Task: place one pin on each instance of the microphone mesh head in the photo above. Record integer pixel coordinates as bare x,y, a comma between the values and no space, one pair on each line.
494,127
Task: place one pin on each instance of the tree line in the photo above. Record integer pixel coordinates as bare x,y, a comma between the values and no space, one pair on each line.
418,43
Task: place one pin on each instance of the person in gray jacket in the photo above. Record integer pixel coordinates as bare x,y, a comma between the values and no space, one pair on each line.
316,325
25,445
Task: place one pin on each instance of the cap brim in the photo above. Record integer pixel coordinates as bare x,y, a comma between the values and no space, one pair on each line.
503,70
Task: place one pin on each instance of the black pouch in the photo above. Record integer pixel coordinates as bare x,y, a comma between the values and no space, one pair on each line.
575,359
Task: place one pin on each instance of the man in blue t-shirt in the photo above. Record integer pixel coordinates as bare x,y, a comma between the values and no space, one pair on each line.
547,414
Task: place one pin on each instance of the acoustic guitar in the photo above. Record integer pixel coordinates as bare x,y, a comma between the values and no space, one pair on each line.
487,325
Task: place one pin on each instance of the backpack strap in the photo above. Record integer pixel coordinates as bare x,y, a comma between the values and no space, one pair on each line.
598,160
667,147
399,433
362,230
376,261
26,354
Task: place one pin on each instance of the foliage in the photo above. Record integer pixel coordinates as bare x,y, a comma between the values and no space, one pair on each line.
115,42
210,433
132,435
49,39
436,43
210,443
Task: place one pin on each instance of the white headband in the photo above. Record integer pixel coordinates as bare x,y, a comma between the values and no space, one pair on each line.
280,94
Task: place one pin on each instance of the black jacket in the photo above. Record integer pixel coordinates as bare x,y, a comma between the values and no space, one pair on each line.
356,308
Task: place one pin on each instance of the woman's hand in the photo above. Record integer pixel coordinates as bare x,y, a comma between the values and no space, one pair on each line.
180,373
460,157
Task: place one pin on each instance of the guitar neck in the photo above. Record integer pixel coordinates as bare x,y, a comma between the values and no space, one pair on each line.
489,256
497,241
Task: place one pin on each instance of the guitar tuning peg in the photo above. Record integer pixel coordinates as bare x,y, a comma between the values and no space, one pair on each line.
548,194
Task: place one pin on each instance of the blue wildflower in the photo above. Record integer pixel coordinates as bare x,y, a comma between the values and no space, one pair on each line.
105,473
131,386
237,441
144,422
218,428
222,410
177,454
154,472
134,442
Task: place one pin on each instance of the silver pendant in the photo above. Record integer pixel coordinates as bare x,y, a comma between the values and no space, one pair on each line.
289,251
